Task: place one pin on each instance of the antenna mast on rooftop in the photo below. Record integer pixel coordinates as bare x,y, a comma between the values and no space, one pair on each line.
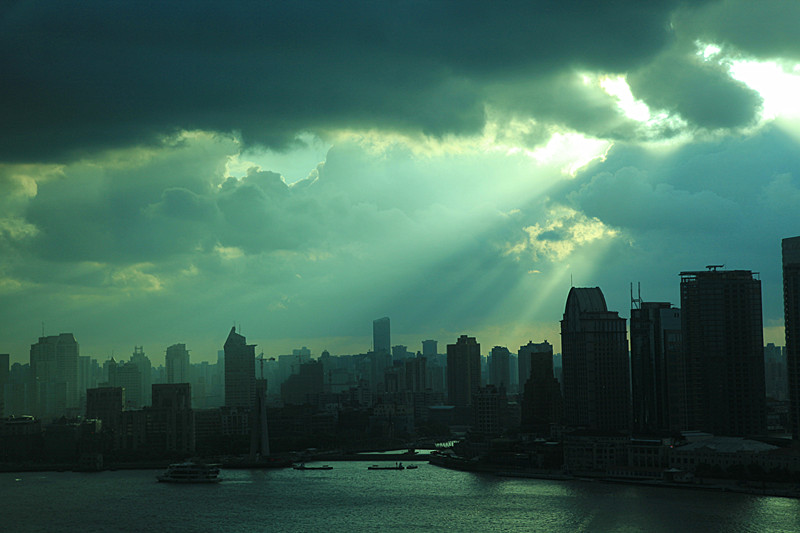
636,302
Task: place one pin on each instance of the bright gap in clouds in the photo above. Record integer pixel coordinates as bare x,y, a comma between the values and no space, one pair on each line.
778,83
618,88
294,164
570,152
778,86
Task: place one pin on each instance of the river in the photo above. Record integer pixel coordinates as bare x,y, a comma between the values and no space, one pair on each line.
351,498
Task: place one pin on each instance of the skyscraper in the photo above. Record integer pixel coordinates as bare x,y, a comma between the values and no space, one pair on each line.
499,371
463,371
142,362
54,368
177,364
723,343
240,371
542,404
4,379
657,373
129,377
594,348
791,309
381,336
429,348
525,356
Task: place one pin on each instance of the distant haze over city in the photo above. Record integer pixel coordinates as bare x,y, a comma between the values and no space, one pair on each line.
455,167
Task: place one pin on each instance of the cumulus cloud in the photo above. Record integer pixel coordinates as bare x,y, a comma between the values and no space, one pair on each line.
458,134
557,237
628,199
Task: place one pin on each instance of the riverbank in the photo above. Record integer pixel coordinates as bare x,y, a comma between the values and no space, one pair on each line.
783,490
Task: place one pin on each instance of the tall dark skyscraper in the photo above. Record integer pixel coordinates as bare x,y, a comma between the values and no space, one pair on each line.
525,356
723,342
54,369
463,371
594,348
143,363
657,374
499,367
381,336
240,371
542,403
4,375
791,309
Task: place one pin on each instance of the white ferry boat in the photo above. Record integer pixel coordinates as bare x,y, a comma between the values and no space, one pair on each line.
190,472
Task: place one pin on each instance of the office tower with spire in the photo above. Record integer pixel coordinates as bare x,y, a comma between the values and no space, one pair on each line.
657,374
240,371
723,344
594,348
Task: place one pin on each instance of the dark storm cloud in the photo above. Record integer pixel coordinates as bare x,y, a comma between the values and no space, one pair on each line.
82,76
766,29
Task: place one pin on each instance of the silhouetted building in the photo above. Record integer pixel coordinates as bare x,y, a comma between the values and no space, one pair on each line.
416,374
499,371
463,371
21,439
657,373
791,309
542,404
487,411
595,363
170,424
259,433
436,377
429,348
105,404
304,387
724,352
379,362
381,336
240,371
177,364
19,390
400,352
142,362
129,377
54,368
4,380
525,355
776,380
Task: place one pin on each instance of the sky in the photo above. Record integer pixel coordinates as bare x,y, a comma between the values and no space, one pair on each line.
170,170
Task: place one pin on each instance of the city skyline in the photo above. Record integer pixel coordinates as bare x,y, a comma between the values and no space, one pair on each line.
457,168
210,353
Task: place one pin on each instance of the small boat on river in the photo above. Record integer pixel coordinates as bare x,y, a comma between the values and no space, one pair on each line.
397,466
303,466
